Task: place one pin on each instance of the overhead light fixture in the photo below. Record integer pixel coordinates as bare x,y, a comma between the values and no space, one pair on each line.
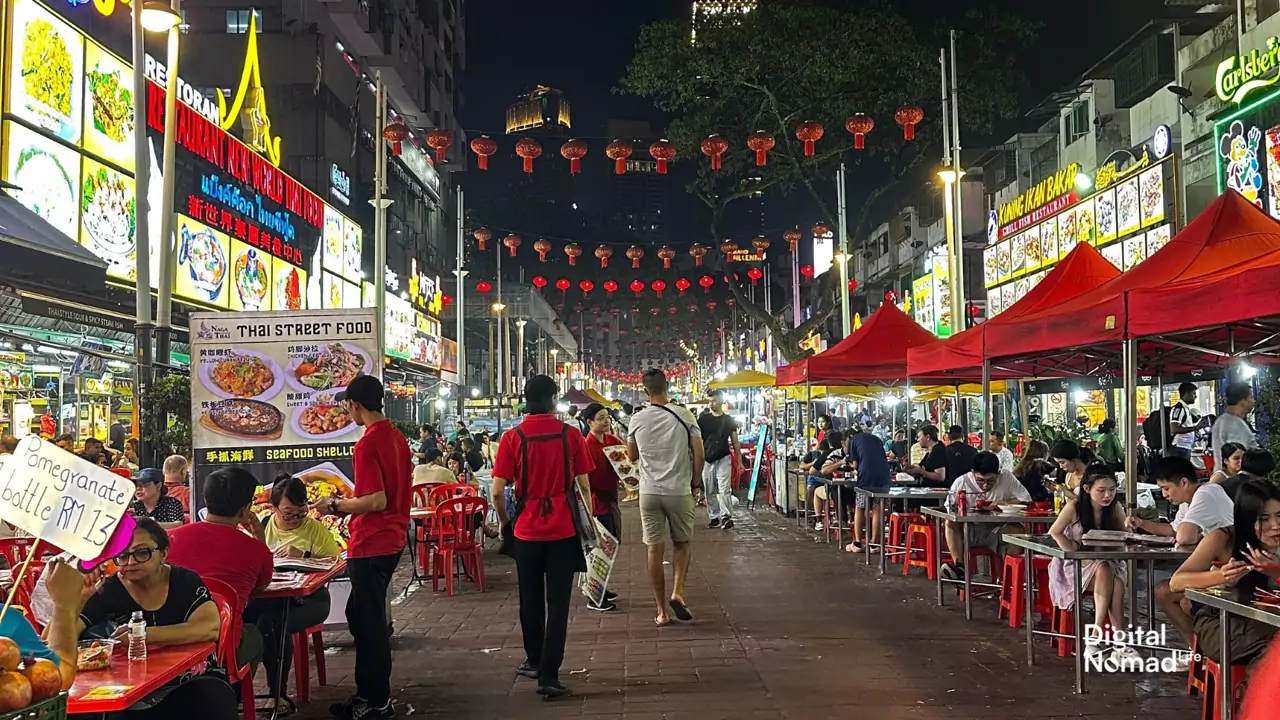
439,404
159,17
1083,182
1081,396
1247,371
949,176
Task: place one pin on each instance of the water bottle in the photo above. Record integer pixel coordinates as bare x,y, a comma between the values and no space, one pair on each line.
137,637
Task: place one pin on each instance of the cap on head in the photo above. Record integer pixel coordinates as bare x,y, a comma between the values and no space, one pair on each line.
148,476
365,391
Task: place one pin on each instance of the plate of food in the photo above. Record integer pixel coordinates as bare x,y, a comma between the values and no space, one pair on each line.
108,217
332,368
251,280
206,262
288,288
94,654
241,374
244,418
322,420
1011,508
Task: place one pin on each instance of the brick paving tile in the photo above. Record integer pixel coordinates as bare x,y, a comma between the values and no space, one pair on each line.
786,629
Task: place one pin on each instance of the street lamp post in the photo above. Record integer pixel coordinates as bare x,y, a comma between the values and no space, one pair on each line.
519,354
555,367
157,17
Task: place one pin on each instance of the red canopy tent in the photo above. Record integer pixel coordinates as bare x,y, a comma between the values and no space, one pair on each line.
875,352
961,355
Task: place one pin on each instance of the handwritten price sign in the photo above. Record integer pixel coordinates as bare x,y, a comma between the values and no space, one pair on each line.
62,498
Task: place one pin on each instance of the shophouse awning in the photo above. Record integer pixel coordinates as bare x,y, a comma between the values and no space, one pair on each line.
35,250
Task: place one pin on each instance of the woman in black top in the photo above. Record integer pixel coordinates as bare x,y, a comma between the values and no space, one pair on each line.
151,501
1032,469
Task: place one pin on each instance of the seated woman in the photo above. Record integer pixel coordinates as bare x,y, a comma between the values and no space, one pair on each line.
1094,507
291,532
457,464
1232,457
1032,470
152,501
1239,552
178,610
826,468
1073,460
811,466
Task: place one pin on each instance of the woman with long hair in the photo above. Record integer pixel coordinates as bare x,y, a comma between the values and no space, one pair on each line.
1093,508
1245,556
1073,461
811,465
1032,469
1232,457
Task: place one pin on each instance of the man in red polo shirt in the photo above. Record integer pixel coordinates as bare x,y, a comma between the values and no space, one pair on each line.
379,526
544,457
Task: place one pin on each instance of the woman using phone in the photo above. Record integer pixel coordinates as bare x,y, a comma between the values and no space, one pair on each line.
1243,556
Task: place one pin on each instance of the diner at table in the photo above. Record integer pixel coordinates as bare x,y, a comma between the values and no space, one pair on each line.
986,485
932,470
1034,469
1232,454
1073,460
152,500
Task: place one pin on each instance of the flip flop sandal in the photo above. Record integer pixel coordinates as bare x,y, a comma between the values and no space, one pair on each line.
662,623
854,548
681,611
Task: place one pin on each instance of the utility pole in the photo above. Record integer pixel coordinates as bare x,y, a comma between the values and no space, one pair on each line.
380,203
461,274
957,291
846,317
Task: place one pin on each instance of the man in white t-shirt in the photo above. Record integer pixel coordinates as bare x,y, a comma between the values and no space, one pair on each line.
987,481
665,441
1202,508
996,445
1184,421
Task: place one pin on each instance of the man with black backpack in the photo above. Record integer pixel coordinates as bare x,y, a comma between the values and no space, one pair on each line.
720,443
543,457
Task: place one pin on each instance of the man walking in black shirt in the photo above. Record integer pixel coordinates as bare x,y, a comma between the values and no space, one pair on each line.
720,440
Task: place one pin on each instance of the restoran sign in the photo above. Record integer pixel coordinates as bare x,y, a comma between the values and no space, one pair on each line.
1238,76
1045,198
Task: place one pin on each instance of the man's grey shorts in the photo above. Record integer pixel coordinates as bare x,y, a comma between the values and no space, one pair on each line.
663,516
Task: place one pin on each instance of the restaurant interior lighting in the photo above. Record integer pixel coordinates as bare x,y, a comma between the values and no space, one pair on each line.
1081,396
444,391
439,404
891,400
159,17
912,392
499,307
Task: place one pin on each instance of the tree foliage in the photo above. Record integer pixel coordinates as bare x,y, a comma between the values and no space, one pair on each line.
790,62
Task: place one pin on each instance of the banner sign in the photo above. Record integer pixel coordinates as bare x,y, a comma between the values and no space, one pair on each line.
755,467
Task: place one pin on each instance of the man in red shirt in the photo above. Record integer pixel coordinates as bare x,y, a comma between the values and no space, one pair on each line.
544,457
379,527
228,546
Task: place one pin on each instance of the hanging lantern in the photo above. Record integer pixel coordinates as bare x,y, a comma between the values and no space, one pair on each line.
809,133
728,247
512,242
595,309
586,286
635,253
573,250
440,141
611,287
664,152
761,243
693,309
483,147
603,253
658,286
578,308
715,147
613,310
820,229
542,247
907,116
853,285
446,300
619,151
396,133
563,286
539,282
755,274
637,287
792,237
731,302
528,149
890,296
672,310
667,254
482,236
806,271
706,282
762,143
698,251
859,125
483,287
682,284
654,311
574,151
711,305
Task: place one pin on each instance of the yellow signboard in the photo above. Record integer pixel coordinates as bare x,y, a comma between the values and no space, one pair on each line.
1046,191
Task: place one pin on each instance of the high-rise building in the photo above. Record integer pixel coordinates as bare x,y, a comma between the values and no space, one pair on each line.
637,203
713,10
544,110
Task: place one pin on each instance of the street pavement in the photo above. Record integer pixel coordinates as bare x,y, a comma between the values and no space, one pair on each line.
785,627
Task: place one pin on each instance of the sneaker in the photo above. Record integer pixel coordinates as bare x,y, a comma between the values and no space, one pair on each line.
728,524
524,669
1094,653
819,526
1125,654
715,523
364,711
553,689
1181,662
610,596
952,571
343,709
605,606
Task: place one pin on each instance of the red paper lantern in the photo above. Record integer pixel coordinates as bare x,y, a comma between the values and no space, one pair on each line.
482,236
698,251
715,147
654,311
667,254
619,151
611,287
821,229
446,300
512,242
440,141
761,243
711,305
792,237
563,286
859,125
664,152
528,149
809,133
574,151
396,133
483,287
587,286
595,309
637,287
728,247
693,309
573,250
542,247
755,274
682,284
706,282
853,285
907,116
635,253
613,311
762,143
672,310
603,253
658,286
539,282
806,271
731,302
483,147
577,307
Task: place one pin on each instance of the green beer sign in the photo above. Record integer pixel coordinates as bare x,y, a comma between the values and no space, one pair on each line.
1239,76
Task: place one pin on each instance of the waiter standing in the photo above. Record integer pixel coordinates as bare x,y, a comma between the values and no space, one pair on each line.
379,527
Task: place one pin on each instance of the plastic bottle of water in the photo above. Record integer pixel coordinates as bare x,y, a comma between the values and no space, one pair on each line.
137,637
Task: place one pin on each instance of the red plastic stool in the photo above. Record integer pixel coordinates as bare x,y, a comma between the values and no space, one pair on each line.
1210,706
976,554
898,524
1013,591
1195,669
302,666
1064,622
928,535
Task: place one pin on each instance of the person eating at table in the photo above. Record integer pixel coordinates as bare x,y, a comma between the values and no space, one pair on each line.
179,611
175,480
833,461
151,501
291,532
1094,507
1232,454
1033,468
229,545
1256,464
811,466
932,471
986,483
603,480
865,452
1073,461
457,464
1244,556
432,470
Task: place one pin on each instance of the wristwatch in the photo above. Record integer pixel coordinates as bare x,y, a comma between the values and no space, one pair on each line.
333,506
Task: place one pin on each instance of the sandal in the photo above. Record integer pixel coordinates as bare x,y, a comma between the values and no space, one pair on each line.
660,622
853,547
681,611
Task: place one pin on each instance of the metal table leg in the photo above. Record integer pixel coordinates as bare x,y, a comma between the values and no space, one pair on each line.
1224,664
1030,605
1131,575
1079,628
279,694
939,532
968,573
1151,594
880,504
839,520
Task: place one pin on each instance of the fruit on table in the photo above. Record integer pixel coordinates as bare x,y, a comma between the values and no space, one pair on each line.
44,676
15,692
10,655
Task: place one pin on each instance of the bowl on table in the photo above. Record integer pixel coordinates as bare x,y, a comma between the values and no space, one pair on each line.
1011,508
94,654
984,505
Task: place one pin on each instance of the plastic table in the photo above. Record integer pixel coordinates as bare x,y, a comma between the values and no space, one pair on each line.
128,682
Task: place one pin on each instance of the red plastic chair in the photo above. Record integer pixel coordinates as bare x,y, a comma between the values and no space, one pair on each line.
228,602
301,667
440,493
15,550
457,523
